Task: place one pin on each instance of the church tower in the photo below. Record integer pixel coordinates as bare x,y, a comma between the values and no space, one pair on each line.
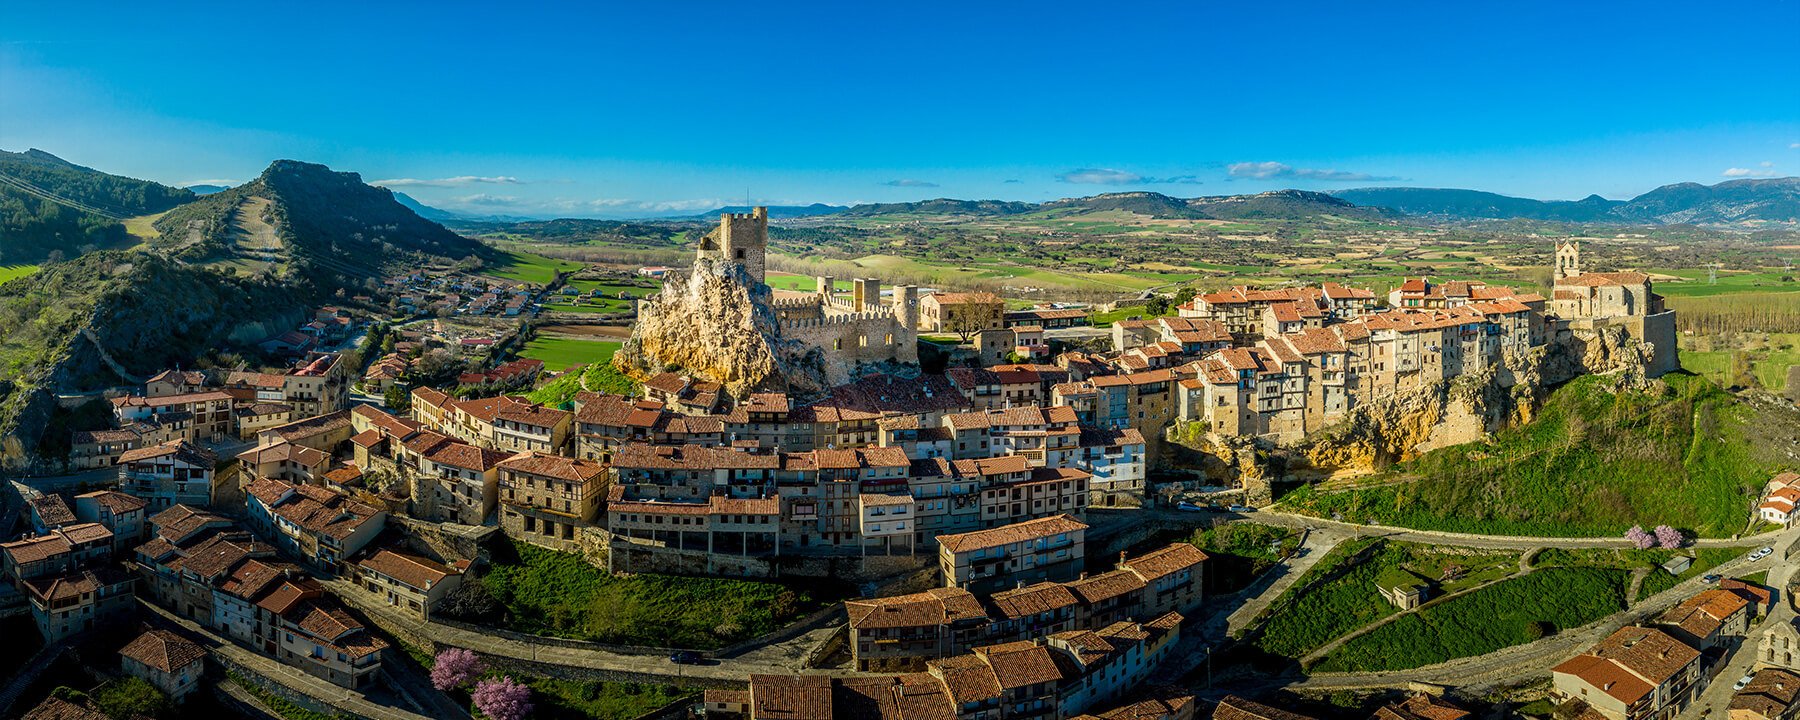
1568,260
742,238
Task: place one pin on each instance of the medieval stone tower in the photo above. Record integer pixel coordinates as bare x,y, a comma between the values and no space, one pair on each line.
742,238
1568,260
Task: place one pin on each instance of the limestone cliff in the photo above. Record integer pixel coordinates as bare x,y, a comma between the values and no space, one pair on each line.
1460,410
716,323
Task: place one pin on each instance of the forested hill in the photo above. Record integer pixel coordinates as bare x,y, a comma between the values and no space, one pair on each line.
51,208
1751,202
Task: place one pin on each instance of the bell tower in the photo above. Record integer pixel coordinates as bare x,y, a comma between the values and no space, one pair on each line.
1568,260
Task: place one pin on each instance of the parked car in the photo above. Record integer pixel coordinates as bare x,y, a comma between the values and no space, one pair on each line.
1760,554
1241,509
1745,680
1710,579
1190,507
685,657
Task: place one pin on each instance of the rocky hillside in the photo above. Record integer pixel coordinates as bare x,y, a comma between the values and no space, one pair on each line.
329,228
716,323
113,318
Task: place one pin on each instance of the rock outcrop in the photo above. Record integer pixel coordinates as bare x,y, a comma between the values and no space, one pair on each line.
716,323
1377,434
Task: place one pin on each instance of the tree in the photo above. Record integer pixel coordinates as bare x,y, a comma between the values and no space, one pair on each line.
1667,537
397,398
387,344
470,599
502,698
1156,306
978,311
454,668
1640,539
131,697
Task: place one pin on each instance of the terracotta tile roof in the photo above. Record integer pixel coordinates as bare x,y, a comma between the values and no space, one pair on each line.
52,510
937,606
285,451
213,558
1095,589
966,678
114,501
1770,692
1233,707
55,708
466,456
1019,664
791,697
261,408
1009,534
35,549
1165,561
49,590
1031,600
1631,662
312,426
164,650
412,570
554,466
858,458
95,437
269,491
1421,707
1702,615
179,449
717,505
1599,279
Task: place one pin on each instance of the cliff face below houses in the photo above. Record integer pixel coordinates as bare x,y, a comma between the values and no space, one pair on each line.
1464,409
716,323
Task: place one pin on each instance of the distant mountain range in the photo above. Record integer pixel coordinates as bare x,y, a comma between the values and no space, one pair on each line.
1279,204
1751,200
205,189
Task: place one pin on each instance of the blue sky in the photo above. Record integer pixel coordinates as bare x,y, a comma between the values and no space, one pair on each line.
596,109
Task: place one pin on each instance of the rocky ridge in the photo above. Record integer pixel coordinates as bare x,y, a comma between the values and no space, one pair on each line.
716,323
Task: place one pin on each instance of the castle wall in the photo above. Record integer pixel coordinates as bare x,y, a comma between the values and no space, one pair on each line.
863,336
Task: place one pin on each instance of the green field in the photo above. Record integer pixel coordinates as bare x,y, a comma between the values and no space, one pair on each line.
1350,600
596,700
1695,282
1512,612
562,353
801,283
1592,464
11,272
530,268
555,593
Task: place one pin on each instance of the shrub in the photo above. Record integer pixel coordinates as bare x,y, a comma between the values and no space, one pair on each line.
1667,537
1640,539
454,668
502,698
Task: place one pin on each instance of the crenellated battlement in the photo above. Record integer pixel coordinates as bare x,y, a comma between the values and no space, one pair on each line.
810,301
838,320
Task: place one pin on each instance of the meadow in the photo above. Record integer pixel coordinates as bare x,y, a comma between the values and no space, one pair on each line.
555,593
13,272
560,353
529,267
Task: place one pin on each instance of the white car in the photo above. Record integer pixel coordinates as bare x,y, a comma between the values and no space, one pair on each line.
1745,680
1760,554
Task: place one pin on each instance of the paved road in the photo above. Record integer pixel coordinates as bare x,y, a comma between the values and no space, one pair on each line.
779,659
1235,612
1498,542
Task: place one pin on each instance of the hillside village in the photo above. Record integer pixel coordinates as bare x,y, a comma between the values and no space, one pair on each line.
995,511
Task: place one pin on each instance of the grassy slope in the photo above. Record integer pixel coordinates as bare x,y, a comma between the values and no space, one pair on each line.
1593,464
1486,620
560,594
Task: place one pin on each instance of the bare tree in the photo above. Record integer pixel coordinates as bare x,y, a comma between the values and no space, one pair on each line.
980,311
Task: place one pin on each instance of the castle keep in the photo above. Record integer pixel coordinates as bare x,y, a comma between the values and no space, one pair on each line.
721,322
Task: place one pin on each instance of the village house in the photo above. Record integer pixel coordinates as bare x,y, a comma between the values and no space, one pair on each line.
545,498
173,473
1637,673
985,561
1771,694
124,515
407,581
316,524
68,604
171,663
